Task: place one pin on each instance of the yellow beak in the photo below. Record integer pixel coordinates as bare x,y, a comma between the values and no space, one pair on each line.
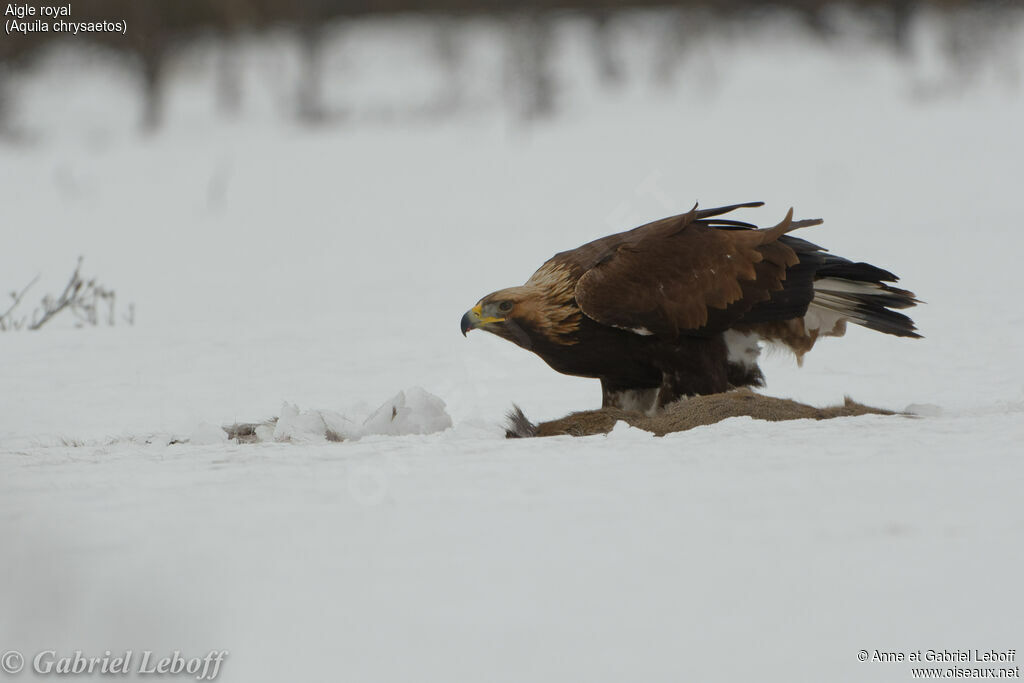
475,318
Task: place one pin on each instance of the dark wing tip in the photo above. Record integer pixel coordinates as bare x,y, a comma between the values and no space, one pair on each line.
718,211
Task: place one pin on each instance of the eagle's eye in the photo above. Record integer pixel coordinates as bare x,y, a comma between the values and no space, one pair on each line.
505,306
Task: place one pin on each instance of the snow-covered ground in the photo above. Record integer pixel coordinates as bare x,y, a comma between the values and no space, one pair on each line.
326,267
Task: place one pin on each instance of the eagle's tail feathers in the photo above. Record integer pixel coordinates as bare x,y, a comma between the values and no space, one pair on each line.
866,303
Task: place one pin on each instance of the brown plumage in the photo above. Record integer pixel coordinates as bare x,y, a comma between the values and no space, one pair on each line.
677,307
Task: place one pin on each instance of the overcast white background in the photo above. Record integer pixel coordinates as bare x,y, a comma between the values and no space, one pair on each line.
327,266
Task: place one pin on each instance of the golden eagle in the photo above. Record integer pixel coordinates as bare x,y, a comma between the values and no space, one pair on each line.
677,307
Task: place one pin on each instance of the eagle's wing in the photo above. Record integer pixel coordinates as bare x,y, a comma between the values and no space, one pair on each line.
687,273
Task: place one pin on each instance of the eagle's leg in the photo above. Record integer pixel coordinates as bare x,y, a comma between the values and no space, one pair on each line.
693,366
743,350
639,400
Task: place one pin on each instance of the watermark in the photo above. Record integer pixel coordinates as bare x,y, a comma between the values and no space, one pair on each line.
28,19
944,663
62,664
12,662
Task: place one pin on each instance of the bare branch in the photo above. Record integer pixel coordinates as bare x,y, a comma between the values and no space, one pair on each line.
67,297
88,302
6,319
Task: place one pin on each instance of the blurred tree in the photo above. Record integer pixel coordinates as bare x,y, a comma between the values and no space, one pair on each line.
531,37
609,64
159,28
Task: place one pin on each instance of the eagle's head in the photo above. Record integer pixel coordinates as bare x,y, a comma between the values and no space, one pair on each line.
504,313
542,310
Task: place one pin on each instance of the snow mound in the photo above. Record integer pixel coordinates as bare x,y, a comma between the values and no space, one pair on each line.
623,431
415,411
207,434
309,425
